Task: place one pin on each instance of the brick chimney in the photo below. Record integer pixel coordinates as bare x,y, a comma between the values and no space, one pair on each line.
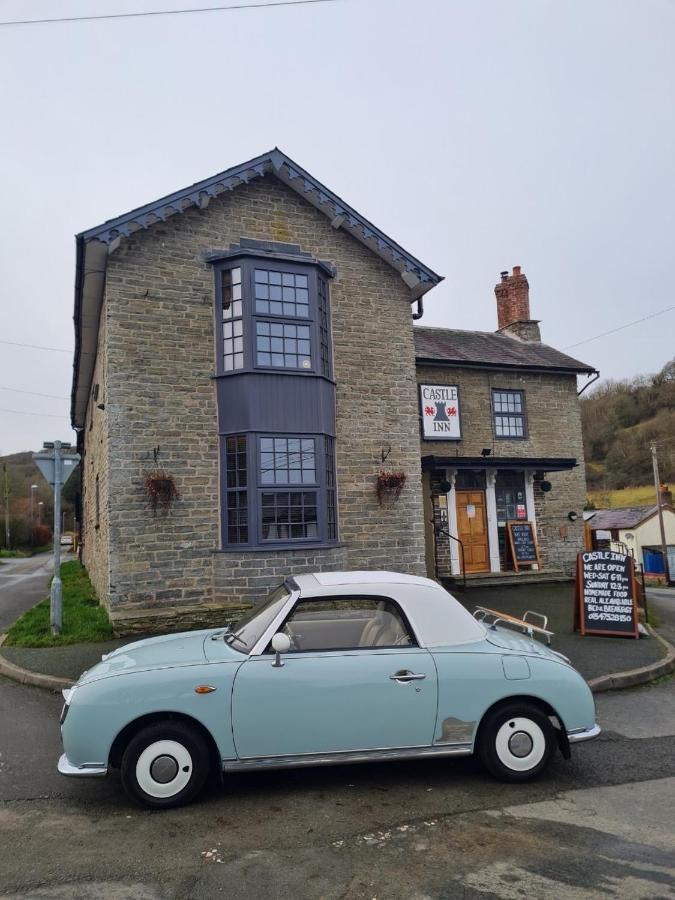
666,495
513,307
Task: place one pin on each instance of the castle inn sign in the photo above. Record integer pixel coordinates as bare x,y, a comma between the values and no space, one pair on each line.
441,418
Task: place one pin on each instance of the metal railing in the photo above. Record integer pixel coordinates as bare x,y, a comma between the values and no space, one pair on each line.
438,530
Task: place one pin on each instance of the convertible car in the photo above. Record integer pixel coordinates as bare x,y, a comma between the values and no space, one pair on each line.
336,667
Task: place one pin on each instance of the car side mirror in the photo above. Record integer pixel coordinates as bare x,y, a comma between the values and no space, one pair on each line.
281,643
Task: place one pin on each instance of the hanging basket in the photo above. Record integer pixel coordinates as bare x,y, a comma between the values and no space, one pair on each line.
389,486
161,491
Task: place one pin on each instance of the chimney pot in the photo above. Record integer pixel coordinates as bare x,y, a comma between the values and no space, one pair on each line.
513,303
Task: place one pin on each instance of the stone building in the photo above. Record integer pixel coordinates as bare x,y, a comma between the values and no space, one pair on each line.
246,343
245,391
507,448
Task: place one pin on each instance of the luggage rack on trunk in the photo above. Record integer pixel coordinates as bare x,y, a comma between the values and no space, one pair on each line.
490,618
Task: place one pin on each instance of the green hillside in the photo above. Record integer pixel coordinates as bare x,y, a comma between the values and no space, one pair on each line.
619,421
21,474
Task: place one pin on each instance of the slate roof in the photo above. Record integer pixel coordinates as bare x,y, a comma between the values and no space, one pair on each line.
490,349
628,517
420,278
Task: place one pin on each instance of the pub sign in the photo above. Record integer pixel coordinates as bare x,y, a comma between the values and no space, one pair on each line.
441,420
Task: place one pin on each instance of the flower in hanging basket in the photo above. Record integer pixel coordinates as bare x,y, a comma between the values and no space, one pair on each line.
161,490
390,485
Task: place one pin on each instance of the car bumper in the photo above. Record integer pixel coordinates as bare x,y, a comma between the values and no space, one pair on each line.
583,734
65,767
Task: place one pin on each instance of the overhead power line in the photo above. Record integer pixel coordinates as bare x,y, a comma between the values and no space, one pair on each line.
620,328
22,412
34,393
35,347
164,12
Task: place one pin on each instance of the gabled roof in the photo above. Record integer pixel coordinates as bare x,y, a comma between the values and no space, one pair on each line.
95,244
341,215
490,349
618,519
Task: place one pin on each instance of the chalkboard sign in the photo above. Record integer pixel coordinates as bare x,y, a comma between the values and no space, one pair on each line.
523,544
606,594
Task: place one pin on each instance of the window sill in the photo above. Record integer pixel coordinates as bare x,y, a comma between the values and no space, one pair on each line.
278,548
306,373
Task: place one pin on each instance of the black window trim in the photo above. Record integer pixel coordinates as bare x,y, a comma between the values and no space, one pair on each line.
523,414
248,263
255,488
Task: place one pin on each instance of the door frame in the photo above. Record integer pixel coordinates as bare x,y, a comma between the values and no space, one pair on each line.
482,491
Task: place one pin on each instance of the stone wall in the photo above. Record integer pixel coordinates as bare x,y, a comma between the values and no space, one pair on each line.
553,430
161,396
94,465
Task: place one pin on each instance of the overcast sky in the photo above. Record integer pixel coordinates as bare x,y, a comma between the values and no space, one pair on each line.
480,134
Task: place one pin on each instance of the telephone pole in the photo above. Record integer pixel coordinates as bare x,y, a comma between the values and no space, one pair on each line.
657,485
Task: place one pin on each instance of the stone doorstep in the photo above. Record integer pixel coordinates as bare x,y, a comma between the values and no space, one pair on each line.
163,621
497,579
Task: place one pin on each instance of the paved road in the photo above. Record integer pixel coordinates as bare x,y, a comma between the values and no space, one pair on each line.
22,583
599,826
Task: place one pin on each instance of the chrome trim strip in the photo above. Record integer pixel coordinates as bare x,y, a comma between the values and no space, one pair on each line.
266,637
344,757
577,735
91,770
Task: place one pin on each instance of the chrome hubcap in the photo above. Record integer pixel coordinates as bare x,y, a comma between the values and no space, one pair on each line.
164,769
520,744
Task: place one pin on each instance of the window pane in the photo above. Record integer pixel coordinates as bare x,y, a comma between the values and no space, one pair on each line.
236,494
289,516
288,461
282,286
509,414
285,348
347,625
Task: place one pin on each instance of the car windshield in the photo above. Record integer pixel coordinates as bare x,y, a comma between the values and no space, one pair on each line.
248,630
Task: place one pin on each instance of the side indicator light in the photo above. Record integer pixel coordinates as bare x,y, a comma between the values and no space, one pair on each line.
204,689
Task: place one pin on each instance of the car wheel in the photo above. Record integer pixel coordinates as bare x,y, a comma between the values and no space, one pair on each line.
515,742
165,765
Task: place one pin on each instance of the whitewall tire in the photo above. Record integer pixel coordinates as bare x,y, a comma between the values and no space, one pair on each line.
516,742
165,764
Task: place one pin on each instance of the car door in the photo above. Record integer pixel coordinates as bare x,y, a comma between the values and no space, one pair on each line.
353,680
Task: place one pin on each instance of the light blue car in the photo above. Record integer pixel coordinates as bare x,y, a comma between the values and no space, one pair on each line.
336,667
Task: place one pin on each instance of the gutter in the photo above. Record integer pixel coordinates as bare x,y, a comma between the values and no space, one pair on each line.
526,367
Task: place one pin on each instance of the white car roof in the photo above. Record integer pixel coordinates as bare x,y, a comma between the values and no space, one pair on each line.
366,577
439,620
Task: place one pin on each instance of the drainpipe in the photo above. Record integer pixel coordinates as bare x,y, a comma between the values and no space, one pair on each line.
420,309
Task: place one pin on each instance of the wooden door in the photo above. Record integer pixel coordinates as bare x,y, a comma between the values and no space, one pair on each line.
472,528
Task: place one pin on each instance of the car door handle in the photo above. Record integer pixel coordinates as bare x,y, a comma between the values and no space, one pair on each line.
405,675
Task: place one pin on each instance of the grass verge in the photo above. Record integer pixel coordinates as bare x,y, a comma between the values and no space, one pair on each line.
84,619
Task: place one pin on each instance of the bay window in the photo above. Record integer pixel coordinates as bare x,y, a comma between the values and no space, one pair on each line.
276,397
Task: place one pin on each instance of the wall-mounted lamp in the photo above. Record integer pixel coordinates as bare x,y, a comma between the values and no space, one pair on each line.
445,487
546,486
486,451
572,516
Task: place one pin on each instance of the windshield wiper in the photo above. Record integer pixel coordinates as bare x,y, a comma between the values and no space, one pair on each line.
230,636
